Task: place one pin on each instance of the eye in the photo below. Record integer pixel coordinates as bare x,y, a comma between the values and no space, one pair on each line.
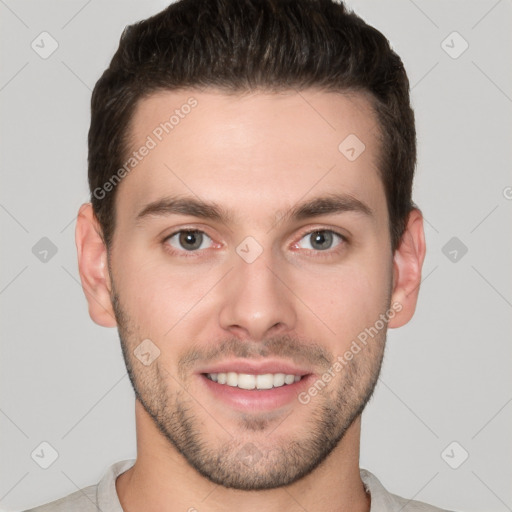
322,240
190,240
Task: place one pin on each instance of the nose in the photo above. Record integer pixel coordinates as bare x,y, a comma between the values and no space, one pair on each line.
257,300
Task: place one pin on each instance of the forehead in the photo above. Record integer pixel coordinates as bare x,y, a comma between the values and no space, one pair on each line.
252,153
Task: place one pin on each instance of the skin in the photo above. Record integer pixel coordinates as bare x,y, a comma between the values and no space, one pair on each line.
254,155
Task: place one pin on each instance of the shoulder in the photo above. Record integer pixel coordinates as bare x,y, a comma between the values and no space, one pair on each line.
83,500
94,498
384,501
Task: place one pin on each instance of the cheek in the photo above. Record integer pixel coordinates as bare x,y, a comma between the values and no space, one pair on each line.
160,294
347,299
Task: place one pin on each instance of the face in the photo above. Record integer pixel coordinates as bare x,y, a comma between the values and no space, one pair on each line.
251,251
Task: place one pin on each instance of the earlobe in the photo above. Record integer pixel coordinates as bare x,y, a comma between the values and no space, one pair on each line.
407,264
93,267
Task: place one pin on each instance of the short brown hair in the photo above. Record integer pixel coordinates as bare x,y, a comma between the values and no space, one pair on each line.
247,45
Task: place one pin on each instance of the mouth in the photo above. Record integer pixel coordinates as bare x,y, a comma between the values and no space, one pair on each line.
250,381
252,386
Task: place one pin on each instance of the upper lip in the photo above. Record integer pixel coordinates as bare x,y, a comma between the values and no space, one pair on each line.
255,367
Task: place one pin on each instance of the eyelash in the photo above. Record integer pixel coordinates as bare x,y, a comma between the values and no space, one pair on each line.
192,254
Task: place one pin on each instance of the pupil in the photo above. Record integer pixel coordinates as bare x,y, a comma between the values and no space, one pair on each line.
190,240
323,239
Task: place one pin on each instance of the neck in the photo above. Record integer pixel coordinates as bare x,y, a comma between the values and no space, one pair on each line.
162,480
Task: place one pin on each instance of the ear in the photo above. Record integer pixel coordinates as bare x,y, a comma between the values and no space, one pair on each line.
407,264
93,267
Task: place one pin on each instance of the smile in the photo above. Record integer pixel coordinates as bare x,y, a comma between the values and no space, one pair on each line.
250,381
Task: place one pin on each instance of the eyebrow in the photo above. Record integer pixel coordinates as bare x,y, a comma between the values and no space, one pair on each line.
183,205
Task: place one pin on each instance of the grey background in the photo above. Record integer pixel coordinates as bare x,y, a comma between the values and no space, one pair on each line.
446,375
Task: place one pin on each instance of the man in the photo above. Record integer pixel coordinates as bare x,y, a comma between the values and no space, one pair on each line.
252,236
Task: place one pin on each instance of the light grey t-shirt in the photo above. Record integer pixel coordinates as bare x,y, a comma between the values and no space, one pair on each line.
102,497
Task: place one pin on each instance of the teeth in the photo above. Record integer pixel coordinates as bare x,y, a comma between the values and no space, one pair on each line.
232,379
246,381
279,379
265,381
249,381
289,379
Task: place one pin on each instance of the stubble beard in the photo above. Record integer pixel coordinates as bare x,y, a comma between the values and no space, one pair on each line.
242,461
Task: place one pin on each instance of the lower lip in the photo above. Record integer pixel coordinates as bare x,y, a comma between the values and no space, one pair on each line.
256,399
